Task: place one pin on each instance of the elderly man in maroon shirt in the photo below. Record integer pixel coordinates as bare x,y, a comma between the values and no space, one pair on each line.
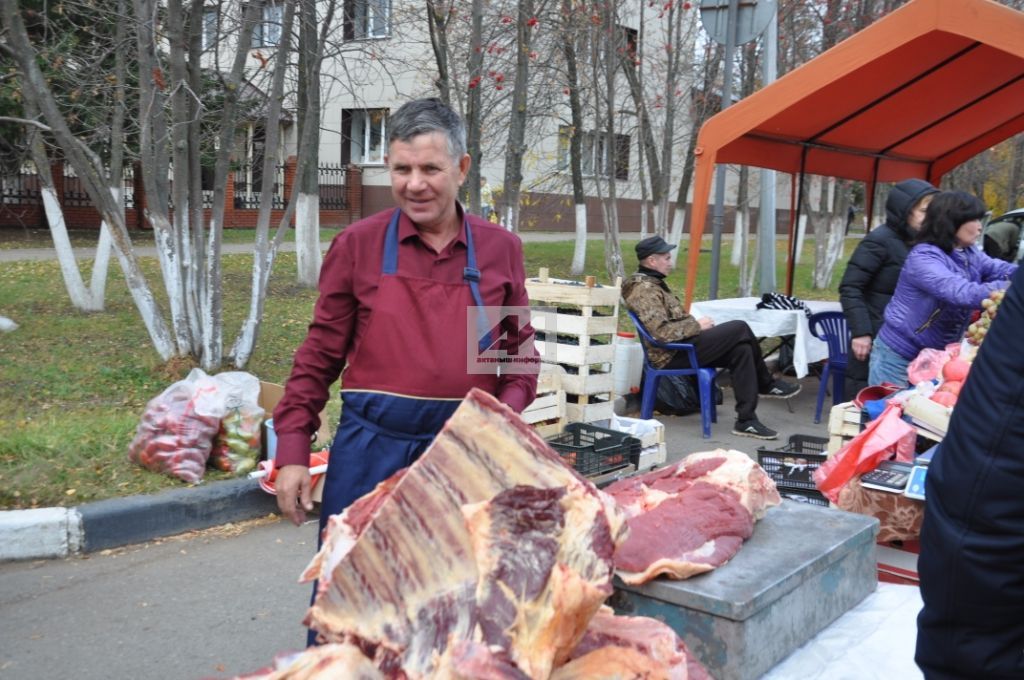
397,292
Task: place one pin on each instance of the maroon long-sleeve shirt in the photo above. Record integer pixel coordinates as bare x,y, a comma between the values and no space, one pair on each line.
348,285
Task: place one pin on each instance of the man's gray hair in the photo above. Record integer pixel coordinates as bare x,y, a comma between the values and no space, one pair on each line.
423,116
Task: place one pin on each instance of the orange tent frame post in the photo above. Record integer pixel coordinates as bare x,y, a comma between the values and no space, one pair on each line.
915,94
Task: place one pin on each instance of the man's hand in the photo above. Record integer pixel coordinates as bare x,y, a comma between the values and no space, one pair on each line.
705,322
861,346
293,492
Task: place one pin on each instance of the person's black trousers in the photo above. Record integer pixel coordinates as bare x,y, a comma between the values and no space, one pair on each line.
732,345
856,376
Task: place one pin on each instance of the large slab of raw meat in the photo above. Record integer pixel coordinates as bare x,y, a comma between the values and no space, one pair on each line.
398,572
691,517
630,647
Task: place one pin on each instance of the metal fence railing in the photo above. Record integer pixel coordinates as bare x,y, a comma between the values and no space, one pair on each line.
248,188
24,188
333,195
20,188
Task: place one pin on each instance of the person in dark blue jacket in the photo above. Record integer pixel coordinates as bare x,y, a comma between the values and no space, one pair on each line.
972,540
871,274
944,279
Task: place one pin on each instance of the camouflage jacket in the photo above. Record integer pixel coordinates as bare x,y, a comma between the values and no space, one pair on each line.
660,312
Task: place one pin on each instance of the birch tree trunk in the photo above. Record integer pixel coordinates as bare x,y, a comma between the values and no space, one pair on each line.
247,335
474,111
579,199
89,168
307,210
703,110
516,148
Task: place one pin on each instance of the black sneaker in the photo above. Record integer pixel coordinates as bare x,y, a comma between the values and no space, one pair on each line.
781,389
754,428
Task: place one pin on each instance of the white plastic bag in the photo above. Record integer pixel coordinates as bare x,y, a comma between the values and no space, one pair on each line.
177,428
237,445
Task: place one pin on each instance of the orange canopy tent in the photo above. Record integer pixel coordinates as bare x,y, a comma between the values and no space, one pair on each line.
915,94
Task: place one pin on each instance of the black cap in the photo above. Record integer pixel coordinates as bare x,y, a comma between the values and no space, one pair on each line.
651,245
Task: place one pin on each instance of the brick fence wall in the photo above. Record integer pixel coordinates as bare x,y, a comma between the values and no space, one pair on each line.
30,213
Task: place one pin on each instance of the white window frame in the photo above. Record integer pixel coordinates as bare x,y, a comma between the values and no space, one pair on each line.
371,19
363,129
597,158
268,32
211,25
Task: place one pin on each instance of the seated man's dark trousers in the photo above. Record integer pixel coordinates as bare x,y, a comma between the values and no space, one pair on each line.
734,346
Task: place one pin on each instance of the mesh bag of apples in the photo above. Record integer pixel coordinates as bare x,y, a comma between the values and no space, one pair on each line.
954,372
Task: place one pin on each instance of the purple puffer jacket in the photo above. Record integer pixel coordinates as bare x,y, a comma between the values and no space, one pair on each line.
936,294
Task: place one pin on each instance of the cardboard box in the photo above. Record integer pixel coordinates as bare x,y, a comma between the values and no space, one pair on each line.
271,393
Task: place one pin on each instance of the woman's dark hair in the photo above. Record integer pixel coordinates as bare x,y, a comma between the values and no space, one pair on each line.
945,215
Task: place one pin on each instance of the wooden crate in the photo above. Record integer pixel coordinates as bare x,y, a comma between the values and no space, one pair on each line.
652,457
585,321
588,411
845,421
547,412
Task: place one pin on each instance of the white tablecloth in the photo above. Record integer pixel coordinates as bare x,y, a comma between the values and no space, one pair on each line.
771,323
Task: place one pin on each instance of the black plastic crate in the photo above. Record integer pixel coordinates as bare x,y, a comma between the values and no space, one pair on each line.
792,465
593,450
802,496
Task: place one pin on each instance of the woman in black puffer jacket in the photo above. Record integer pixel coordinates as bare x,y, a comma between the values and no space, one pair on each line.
874,268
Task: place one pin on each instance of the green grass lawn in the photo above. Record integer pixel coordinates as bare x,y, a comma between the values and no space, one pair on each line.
73,384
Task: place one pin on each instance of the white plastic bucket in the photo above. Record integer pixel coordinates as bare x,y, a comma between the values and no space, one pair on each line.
270,438
628,364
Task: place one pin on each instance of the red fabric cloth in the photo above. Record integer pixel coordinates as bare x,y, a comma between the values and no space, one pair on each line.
348,286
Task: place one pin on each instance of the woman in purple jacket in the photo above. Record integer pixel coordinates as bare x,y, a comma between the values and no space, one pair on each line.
944,279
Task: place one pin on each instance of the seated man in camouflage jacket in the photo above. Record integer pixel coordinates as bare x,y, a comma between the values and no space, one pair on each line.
731,345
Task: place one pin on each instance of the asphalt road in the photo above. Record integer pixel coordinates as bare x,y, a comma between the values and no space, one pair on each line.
207,604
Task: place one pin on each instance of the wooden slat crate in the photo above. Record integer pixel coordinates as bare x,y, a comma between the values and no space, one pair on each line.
845,421
585,321
547,413
590,411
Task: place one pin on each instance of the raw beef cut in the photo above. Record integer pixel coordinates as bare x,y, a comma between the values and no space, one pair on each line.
398,574
326,661
630,647
544,558
691,517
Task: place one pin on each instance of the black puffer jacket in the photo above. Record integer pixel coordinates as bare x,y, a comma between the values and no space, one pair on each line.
874,267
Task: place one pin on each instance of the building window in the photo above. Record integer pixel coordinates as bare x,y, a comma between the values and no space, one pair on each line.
210,20
268,31
597,156
365,135
367,19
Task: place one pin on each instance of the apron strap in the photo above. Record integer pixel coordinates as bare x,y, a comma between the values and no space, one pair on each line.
470,274
389,265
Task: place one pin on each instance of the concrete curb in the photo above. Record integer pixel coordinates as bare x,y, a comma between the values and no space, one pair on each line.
59,532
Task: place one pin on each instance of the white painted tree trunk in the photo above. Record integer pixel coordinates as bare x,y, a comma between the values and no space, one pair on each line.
661,212
101,265
739,240
644,209
307,239
73,282
579,252
174,284
676,235
801,229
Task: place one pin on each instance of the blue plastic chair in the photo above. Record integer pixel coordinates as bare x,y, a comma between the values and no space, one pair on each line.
705,378
832,329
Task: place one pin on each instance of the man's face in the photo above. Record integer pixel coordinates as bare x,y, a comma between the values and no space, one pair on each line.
659,262
425,179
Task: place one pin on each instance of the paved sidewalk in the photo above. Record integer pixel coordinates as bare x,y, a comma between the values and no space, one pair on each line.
18,254
58,532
